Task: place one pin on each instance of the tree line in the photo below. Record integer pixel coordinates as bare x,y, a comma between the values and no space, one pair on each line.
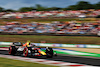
81,5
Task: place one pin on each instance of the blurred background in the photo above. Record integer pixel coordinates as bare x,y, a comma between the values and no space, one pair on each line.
70,27
75,18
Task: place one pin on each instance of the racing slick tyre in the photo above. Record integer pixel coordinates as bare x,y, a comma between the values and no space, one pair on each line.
25,52
12,50
49,52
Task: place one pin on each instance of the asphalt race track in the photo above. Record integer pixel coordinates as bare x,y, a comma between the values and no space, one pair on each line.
66,58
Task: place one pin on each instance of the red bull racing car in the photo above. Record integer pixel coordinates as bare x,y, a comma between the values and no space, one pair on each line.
28,49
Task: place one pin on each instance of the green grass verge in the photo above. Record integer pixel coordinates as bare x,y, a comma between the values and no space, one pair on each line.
3,46
48,20
16,63
51,39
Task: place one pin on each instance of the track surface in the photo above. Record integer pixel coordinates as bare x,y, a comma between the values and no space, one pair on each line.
81,60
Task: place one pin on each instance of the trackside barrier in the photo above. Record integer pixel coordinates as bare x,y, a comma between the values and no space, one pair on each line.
59,45
5,43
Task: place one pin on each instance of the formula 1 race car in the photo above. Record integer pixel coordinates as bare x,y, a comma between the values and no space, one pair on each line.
28,49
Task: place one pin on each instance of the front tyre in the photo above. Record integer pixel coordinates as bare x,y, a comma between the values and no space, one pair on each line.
49,52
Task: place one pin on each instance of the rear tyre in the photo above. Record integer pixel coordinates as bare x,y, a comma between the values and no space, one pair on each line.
12,50
49,52
25,52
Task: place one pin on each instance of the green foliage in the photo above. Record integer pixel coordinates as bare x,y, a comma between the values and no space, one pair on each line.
97,6
81,5
9,10
84,5
1,9
54,8
72,7
40,8
26,9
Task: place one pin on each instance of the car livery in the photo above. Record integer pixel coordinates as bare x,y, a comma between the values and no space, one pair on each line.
29,49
